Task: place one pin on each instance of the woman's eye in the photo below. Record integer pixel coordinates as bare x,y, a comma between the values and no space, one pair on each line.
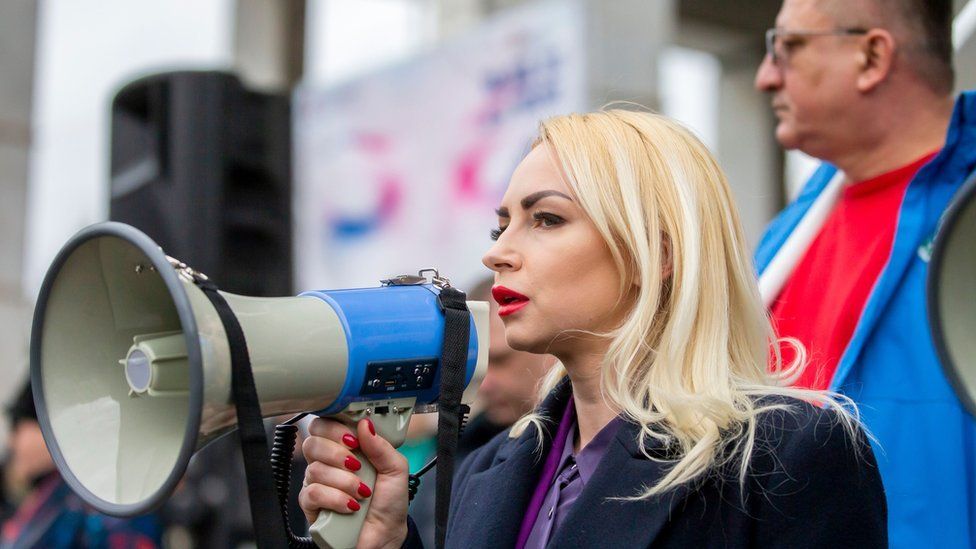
495,233
545,219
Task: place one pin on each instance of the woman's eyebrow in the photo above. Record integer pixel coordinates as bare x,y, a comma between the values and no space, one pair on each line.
531,199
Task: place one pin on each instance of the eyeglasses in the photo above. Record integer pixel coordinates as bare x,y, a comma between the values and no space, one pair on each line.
774,48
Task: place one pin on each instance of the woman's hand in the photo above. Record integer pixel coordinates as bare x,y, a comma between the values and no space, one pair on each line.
331,483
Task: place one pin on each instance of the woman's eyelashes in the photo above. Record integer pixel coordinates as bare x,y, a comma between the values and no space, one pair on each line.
542,220
495,233
546,219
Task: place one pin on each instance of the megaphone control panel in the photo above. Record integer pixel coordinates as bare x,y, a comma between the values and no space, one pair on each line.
399,375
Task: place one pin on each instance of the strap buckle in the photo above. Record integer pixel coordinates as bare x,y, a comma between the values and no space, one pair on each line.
187,272
424,276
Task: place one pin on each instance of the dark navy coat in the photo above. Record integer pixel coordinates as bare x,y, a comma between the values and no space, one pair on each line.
809,485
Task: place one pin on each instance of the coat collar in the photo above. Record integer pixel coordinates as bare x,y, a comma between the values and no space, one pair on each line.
925,199
598,520
494,501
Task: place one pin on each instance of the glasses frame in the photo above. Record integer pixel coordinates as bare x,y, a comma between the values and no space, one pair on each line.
773,33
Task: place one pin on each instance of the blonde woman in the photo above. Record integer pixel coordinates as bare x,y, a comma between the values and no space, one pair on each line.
619,251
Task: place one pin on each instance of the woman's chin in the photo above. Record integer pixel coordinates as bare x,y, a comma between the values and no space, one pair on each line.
528,342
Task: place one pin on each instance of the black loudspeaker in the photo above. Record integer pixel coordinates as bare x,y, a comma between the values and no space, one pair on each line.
203,166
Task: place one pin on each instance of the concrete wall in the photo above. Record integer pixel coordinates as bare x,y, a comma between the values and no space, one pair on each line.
17,37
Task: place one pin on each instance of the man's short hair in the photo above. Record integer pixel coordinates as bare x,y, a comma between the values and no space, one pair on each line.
22,407
930,21
923,28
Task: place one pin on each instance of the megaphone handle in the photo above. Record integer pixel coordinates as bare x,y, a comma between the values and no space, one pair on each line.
341,530
333,530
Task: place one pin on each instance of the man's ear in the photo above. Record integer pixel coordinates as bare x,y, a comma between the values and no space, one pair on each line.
876,58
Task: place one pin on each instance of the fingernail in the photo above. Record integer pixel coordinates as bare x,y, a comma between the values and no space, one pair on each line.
372,428
350,441
352,505
352,463
364,490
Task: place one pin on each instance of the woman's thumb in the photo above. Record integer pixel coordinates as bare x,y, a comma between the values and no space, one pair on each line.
379,451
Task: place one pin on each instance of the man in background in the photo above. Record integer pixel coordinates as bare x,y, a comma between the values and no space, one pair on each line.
867,87
49,514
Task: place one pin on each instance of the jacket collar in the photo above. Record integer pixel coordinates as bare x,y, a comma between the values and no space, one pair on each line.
495,499
925,200
598,520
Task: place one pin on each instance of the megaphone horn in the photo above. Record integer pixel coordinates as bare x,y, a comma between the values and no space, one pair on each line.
951,293
131,365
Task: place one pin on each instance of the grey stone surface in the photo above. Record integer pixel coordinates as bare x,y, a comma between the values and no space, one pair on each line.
13,199
17,31
17,46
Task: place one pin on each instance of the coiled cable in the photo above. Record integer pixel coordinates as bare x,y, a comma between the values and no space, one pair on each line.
282,451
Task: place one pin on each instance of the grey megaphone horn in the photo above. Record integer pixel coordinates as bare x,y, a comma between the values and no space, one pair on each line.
951,293
131,366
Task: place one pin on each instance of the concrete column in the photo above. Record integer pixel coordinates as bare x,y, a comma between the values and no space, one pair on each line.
457,16
747,149
624,38
269,43
964,41
17,37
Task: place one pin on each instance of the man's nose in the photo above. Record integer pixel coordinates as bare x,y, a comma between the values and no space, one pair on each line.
768,75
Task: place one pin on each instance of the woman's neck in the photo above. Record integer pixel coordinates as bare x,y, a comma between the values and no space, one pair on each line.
592,411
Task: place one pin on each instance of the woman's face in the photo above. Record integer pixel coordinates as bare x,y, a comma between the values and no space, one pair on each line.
553,271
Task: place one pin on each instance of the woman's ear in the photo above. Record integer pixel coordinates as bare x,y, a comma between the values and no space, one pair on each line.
667,262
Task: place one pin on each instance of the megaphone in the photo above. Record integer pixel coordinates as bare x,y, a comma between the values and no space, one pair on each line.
131,366
951,293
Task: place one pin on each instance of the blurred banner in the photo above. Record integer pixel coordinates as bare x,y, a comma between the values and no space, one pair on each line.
403,169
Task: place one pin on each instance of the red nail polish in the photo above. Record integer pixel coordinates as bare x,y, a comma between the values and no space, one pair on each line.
352,505
372,428
350,441
352,463
364,490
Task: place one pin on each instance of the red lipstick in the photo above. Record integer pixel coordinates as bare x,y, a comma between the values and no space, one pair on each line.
509,301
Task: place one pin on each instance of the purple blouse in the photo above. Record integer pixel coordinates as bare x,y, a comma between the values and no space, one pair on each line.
563,478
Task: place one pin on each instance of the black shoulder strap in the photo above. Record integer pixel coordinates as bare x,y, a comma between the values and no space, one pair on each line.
454,357
269,526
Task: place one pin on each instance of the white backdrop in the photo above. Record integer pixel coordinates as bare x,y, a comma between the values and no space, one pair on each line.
402,169
86,51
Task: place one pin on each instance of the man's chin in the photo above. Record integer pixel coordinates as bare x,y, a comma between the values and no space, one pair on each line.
786,137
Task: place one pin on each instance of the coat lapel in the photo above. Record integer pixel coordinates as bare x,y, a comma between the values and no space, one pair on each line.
598,521
493,502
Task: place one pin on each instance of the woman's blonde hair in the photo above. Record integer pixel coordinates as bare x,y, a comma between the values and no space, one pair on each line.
690,362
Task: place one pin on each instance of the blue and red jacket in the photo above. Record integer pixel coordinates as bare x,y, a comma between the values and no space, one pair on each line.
925,440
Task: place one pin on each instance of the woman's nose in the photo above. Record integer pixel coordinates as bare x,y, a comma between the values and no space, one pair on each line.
500,257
